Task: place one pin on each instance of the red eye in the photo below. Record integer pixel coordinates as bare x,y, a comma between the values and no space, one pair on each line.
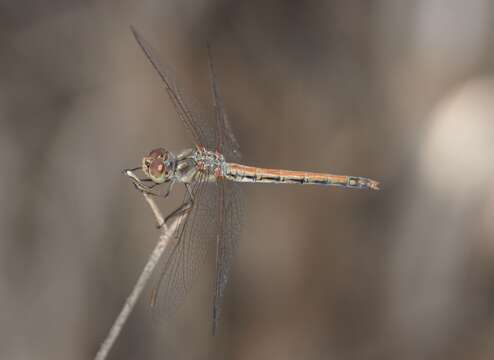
158,153
157,168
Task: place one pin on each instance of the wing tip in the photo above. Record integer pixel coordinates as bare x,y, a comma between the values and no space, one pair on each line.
135,32
215,320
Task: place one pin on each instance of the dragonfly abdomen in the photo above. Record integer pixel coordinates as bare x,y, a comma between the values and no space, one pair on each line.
244,173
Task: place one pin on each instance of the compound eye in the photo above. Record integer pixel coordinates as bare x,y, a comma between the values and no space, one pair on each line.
157,168
158,153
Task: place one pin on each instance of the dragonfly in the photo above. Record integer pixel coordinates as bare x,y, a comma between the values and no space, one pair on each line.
211,173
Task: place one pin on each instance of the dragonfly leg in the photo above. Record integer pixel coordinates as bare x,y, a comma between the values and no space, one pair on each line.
184,208
169,188
149,188
140,185
128,171
145,188
165,194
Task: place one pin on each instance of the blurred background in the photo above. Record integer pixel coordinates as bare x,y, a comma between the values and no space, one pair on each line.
402,92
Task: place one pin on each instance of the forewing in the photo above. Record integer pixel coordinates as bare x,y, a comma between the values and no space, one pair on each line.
226,142
197,122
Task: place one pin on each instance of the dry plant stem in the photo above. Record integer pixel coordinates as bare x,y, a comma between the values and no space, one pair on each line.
167,233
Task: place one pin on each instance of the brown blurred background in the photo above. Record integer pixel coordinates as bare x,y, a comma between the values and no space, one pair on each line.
402,92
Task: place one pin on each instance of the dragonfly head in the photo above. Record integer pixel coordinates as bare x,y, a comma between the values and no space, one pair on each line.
159,165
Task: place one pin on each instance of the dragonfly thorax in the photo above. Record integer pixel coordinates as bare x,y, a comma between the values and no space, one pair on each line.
211,162
198,164
159,165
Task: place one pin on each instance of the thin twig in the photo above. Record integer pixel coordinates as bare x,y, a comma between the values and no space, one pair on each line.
167,233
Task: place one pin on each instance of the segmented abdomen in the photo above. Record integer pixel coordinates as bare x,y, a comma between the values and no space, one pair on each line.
243,173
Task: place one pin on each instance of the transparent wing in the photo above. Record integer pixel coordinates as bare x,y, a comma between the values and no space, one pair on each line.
230,206
182,261
217,209
226,142
198,123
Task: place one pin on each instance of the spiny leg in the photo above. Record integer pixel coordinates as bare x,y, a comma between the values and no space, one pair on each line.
165,194
148,189
185,207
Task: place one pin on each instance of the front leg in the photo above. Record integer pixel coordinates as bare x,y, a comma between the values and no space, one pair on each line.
148,189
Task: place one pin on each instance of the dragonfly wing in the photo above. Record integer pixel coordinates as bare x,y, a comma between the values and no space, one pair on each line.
226,142
230,207
183,259
197,122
